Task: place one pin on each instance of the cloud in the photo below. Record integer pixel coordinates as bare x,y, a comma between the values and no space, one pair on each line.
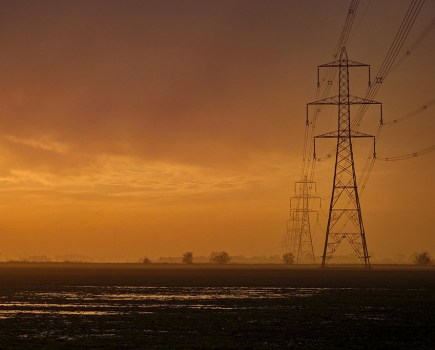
184,90
120,178
46,145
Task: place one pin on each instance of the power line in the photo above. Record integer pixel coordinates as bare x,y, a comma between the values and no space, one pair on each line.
409,155
364,12
344,36
416,43
309,167
401,119
409,115
401,35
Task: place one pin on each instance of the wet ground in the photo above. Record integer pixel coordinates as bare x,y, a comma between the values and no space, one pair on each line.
249,307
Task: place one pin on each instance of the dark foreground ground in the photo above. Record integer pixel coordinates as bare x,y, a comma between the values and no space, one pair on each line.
76,306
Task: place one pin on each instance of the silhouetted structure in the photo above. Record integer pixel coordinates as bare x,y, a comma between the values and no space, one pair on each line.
298,240
345,219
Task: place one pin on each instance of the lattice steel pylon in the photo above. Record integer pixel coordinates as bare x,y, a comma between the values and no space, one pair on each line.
299,240
345,219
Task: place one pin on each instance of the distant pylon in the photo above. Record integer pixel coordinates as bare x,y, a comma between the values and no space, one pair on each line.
345,219
299,240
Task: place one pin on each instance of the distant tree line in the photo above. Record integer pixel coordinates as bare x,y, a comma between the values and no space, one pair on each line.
187,258
214,258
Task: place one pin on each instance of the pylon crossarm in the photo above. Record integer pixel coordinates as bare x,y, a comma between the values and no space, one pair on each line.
355,100
357,134
343,62
339,63
335,100
336,135
304,211
329,135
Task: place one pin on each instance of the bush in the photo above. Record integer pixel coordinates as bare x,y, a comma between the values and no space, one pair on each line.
422,259
288,258
187,258
219,258
146,260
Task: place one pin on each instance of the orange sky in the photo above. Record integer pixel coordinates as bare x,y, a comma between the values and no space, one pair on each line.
155,127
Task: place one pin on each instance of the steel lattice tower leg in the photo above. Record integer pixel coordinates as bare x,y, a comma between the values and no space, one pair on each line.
345,218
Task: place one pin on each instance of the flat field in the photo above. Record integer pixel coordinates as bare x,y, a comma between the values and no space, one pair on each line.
133,306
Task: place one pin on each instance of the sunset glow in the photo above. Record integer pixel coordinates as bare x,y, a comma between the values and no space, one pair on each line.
132,128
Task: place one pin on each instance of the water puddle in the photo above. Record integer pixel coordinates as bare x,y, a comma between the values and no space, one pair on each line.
117,300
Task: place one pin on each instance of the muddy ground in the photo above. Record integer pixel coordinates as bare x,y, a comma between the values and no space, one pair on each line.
76,306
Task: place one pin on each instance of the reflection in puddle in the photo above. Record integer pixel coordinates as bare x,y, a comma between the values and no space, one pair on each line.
117,300
56,312
71,313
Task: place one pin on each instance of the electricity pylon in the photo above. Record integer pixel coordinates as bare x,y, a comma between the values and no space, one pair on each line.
299,240
345,219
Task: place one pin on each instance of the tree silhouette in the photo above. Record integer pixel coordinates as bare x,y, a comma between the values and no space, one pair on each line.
187,258
422,259
146,260
219,258
288,259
